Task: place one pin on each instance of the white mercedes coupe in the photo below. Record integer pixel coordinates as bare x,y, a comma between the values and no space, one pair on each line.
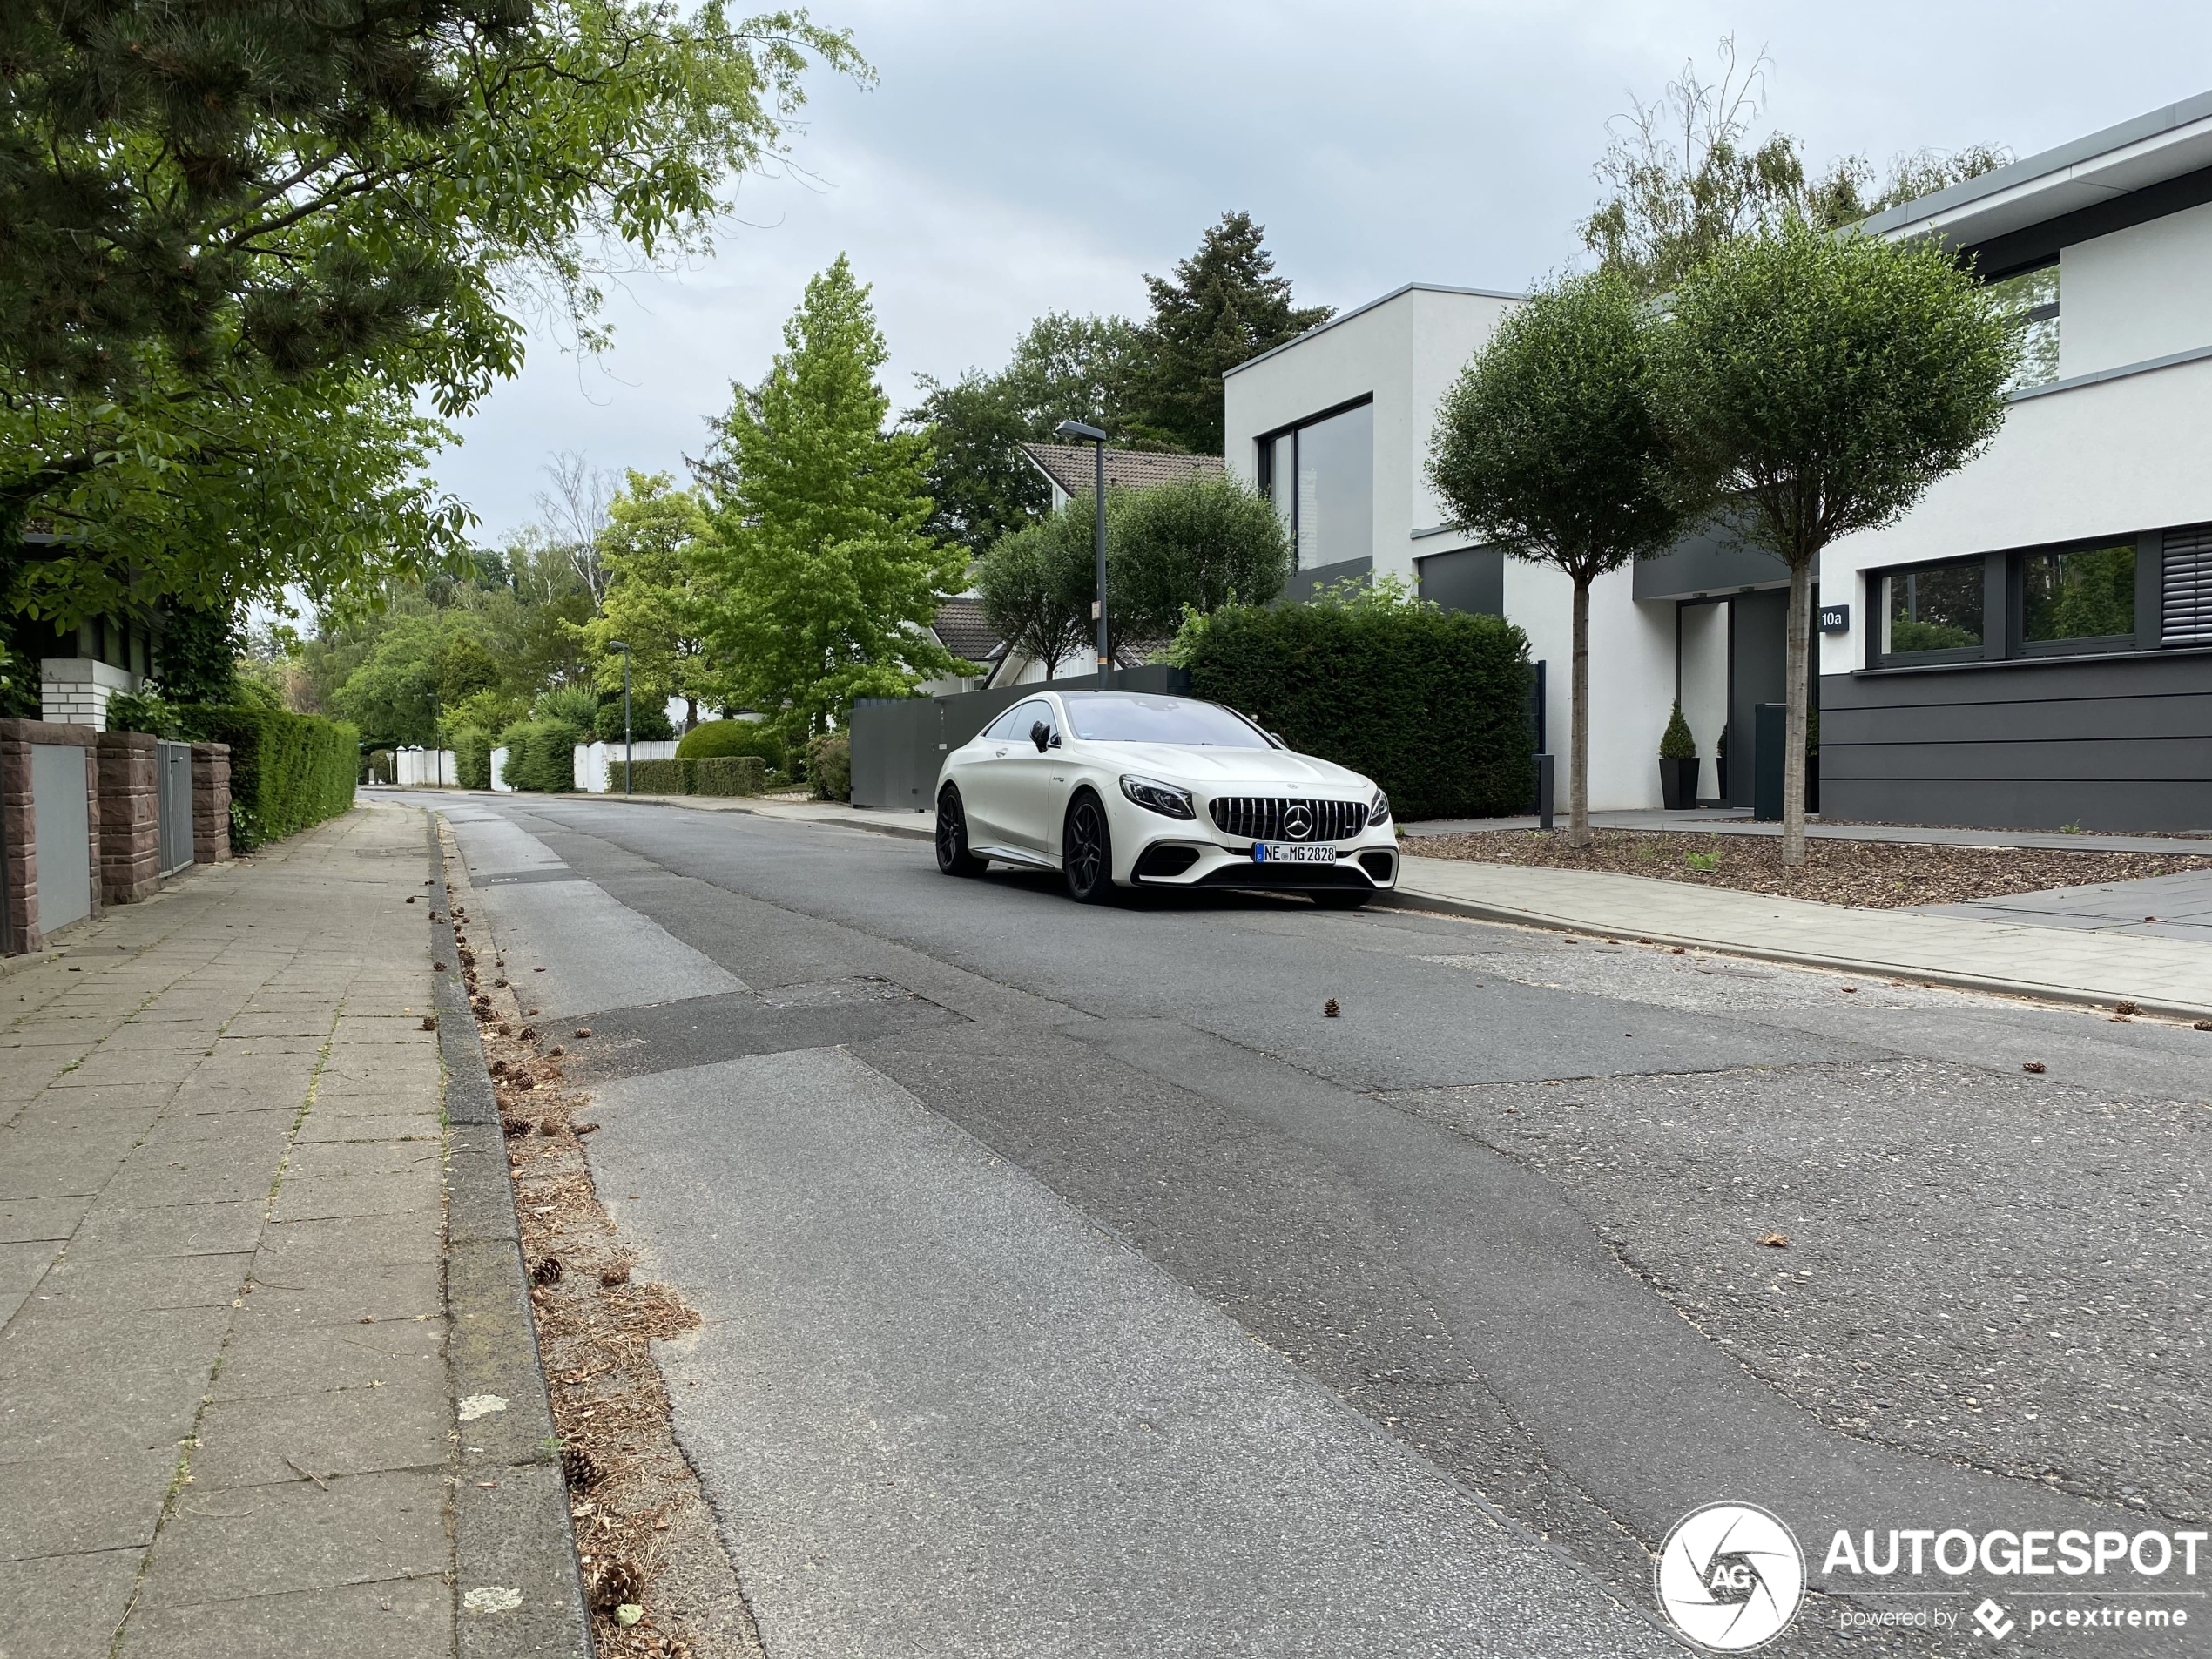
1117,790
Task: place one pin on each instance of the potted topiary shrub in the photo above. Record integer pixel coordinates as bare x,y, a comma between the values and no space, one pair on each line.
1678,763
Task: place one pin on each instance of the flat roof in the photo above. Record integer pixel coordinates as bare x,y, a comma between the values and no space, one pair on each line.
2148,150
1399,293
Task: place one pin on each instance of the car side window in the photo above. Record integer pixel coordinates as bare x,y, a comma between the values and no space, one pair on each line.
1016,721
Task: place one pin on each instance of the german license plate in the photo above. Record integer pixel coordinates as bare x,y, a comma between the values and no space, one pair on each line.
1293,853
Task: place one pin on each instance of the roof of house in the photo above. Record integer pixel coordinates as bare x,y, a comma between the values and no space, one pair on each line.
2148,150
961,629
1073,467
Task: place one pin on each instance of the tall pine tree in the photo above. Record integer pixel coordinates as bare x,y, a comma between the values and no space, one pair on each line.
828,582
1224,305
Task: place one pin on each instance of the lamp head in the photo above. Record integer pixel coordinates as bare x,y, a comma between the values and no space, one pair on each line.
1077,430
615,644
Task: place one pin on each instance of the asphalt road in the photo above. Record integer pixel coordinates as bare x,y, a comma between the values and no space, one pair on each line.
1073,1285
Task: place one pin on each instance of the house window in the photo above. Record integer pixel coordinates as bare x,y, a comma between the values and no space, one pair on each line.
2032,297
2078,598
1932,614
1321,477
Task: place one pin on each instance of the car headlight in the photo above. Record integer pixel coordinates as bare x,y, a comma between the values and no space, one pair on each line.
1379,809
1155,797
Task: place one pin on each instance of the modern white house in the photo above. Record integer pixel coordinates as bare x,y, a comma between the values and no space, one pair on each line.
2031,646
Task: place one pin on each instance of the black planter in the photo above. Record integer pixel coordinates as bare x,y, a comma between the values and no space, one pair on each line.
1678,784
1812,781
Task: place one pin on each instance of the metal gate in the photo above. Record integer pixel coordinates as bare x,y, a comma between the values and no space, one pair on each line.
172,777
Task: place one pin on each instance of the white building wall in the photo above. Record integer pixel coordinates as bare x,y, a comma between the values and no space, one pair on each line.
416,768
2136,294
75,689
598,766
1632,678
2107,459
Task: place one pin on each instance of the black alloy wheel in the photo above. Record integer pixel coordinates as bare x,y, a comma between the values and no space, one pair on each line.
1342,898
953,856
1087,853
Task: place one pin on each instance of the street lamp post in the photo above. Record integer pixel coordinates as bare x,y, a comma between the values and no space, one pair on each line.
615,644
1092,435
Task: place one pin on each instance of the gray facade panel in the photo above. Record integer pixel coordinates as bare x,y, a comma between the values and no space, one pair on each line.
1708,562
1470,578
2114,743
1304,585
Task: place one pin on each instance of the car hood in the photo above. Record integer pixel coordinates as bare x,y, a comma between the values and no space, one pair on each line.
1219,769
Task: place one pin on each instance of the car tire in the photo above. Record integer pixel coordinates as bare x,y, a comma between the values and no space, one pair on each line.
1342,898
953,856
1087,851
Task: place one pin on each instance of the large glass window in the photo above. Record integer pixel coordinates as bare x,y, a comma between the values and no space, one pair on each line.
2031,297
2080,594
1936,608
1321,477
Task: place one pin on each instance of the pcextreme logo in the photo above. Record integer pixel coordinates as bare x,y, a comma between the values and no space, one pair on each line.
1730,1577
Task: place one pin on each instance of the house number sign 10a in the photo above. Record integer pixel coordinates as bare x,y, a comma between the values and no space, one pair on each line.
1835,619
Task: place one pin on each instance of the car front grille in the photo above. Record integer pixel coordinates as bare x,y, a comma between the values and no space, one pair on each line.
1261,817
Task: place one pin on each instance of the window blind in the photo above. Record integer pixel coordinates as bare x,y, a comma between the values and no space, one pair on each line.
2186,593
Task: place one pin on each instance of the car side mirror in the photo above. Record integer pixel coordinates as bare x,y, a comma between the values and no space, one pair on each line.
1040,734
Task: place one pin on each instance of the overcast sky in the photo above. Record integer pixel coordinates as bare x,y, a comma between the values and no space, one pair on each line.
1016,158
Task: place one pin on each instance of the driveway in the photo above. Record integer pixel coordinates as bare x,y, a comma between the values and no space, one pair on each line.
1075,1284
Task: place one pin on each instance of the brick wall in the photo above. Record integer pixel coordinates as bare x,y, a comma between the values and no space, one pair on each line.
211,802
19,859
130,817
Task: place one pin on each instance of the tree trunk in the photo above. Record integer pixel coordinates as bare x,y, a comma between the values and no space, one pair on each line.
1578,724
690,712
1793,738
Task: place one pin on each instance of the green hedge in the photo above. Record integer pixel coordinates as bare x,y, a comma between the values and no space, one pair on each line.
287,770
829,766
713,739
541,755
716,775
1432,705
472,756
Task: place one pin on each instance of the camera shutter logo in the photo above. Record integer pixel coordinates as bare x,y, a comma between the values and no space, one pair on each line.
1730,1577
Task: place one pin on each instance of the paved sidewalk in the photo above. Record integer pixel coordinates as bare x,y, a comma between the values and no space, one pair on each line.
225,1415
2069,964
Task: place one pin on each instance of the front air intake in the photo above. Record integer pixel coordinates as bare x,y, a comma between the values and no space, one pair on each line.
1276,818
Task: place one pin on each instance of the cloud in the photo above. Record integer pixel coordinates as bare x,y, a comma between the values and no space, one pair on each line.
1021,157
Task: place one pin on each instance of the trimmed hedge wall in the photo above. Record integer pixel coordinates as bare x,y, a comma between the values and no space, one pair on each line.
716,775
287,770
712,738
541,755
1432,705
829,766
472,756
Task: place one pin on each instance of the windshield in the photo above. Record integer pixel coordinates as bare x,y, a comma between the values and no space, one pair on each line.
1161,720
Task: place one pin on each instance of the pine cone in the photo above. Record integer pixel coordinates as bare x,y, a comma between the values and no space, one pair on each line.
529,1033
515,1127
618,1274
549,1127
580,1469
548,1272
505,1030
524,1079
616,1583
499,1068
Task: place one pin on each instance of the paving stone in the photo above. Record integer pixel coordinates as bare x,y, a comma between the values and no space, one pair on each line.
159,1177
325,1253
378,1291
66,1607
316,1198
174,1229
335,1127
26,1219
269,1357
414,1160
399,1619
337,1432
70,1505
295,1536
116,1283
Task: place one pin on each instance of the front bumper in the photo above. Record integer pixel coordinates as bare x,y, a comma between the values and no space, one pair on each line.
1170,860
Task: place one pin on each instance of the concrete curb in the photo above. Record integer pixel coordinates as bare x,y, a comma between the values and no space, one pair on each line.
510,1511
1470,910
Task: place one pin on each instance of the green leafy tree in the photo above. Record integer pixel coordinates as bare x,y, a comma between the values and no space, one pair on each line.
1689,173
1037,585
1195,544
657,597
827,580
1552,444
1224,305
1063,369
1823,382
242,240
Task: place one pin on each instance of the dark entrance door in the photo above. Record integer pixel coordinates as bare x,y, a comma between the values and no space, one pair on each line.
1757,648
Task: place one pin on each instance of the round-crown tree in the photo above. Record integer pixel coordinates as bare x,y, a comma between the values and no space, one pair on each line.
1552,445
1820,382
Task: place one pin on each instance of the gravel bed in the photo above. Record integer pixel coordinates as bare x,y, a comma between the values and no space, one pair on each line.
1879,875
